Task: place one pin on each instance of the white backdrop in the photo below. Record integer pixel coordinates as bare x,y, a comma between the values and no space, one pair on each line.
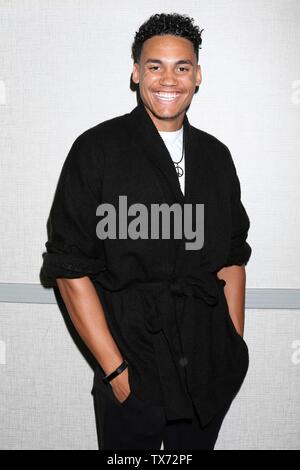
64,67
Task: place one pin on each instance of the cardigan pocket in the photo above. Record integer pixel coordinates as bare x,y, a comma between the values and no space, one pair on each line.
106,389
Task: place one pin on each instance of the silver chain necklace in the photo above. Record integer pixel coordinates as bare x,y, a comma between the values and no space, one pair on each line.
178,168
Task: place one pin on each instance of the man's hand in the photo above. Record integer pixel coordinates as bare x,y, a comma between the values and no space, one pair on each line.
120,386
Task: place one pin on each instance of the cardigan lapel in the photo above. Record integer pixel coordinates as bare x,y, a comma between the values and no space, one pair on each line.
200,187
157,152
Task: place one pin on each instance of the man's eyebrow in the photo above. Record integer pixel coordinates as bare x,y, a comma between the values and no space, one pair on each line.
157,61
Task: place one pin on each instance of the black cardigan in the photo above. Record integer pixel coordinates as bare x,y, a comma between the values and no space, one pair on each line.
165,305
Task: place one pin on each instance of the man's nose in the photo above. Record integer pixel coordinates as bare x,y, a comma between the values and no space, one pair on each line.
168,78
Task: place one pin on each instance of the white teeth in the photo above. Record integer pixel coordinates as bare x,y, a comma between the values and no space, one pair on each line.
166,96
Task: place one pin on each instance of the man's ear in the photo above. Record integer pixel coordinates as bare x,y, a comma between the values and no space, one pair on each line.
135,73
198,75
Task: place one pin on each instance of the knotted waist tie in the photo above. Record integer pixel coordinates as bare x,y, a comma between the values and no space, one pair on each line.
160,300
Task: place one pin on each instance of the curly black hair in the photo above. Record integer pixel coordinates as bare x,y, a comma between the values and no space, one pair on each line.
162,23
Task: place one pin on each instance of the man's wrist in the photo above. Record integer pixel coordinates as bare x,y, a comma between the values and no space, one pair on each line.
109,377
110,362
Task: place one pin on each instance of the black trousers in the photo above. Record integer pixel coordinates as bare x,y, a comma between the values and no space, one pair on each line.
134,424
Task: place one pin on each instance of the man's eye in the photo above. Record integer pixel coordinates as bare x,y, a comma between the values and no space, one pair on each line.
181,69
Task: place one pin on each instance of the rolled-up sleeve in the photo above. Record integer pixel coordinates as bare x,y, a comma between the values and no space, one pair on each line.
240,250
73,249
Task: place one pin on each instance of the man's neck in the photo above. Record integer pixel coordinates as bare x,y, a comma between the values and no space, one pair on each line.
166,125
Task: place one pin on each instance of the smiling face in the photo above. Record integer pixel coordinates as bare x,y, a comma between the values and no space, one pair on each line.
167,75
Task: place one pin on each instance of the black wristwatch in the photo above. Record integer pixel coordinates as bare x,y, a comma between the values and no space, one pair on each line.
116,372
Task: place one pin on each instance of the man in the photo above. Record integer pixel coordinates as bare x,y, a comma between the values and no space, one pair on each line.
164,319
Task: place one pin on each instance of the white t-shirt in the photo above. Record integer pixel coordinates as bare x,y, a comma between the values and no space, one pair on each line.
173,142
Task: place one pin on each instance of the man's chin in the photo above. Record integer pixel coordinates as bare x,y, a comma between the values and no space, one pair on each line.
166,115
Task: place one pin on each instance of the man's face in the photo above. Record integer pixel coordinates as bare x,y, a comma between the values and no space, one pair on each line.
167,75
